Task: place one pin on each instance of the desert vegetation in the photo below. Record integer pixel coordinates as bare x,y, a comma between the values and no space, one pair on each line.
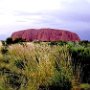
44,65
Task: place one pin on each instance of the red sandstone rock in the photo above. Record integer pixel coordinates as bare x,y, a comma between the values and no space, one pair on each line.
45,35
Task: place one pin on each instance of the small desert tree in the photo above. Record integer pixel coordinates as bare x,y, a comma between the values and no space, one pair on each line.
9,40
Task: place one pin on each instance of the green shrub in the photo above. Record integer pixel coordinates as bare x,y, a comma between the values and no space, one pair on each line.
9,40
4,50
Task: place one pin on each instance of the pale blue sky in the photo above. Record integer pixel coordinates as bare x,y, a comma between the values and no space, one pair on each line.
73,15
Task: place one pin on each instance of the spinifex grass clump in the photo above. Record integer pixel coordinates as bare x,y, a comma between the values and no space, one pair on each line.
36,67
63,70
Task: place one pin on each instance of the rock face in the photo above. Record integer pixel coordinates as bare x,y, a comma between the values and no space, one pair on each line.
45,34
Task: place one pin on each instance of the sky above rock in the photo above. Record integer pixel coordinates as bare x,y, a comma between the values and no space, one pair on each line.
73,15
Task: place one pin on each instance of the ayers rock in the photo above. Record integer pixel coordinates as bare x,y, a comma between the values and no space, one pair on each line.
45,34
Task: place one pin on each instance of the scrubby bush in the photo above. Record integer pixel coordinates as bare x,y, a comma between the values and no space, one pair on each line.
81,62
9,40
4,50
18,40
60,43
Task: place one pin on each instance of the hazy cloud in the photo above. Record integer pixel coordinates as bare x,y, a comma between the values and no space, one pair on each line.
73,15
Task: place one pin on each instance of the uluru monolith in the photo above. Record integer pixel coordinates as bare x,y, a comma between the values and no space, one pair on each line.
45,34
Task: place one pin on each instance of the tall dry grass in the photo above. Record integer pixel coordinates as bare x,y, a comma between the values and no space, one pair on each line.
36,67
